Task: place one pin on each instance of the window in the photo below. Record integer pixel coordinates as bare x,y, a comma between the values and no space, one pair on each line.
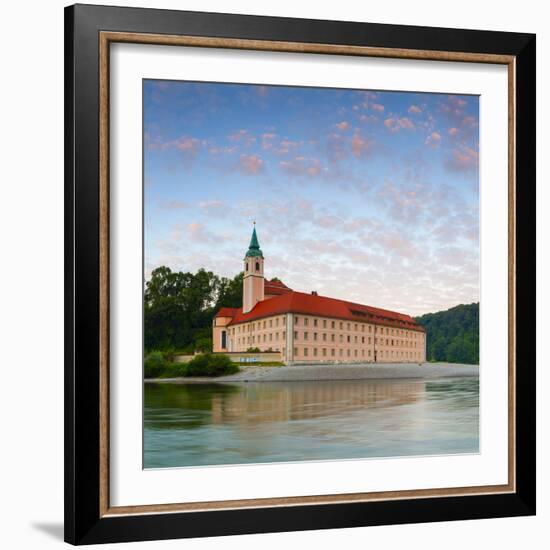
277,322
315,352
332,324
324,352
362,339
314,322
324,336
349,326
315,336
284,335
324,323
332,352
295,320
264,324
224,339
246,266
349,338
349,352
270,337
355,340
341,338
306,321
271,323
257,266
341,325
355,326
332,337
305,351
305,335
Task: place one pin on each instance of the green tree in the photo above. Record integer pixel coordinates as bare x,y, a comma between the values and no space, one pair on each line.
453,335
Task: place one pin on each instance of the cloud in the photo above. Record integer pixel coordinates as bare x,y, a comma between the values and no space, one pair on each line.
212,205
225,150
434,139
377,107
394,124
414,109
267,140
360,146
174,205
243,137
343,126
453,131
188,145
463,159
285,146
251,164
301,166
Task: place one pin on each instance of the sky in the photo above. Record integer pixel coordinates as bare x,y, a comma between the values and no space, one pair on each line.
366,196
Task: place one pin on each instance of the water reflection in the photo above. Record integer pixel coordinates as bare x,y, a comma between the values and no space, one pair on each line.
206,424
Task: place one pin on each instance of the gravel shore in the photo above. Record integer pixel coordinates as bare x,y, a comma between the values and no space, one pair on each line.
340,372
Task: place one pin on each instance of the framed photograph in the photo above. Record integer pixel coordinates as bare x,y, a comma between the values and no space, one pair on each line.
300,274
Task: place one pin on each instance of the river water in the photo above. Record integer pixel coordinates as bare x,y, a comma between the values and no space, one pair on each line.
243,423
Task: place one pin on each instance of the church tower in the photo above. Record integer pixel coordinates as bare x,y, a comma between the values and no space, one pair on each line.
253,281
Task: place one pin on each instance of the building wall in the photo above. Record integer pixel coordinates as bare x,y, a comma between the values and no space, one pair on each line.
306,338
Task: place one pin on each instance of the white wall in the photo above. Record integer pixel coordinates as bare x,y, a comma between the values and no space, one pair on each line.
31,208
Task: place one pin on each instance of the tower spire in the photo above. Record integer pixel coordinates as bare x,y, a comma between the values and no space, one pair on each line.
254,246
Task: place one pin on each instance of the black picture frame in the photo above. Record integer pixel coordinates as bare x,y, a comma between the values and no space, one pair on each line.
83,521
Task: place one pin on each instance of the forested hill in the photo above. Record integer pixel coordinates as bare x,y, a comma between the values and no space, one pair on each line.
453,335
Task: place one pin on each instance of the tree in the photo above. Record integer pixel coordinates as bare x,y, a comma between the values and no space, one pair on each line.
179,307
453,335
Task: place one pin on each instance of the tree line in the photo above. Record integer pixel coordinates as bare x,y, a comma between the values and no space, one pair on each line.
179,308
453,335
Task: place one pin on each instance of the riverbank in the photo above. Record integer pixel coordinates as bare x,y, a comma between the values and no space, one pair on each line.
338,372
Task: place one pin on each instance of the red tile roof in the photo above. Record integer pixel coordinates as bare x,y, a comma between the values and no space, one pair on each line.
310,304
228,311
275,288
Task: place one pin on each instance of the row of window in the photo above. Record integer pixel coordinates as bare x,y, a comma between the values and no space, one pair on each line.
357,353
348,339
388,331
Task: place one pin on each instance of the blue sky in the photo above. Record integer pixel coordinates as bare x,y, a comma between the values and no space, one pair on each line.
362,195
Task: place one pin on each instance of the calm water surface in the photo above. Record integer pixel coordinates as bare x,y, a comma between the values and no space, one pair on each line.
241,423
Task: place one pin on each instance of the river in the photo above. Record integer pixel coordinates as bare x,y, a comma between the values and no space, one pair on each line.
243,423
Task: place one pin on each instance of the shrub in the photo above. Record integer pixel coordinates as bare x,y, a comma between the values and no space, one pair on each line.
253,350
169,354
203,344
206,364
154,364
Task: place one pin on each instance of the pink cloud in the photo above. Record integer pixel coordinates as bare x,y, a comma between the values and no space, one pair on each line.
302,166
434,139
395,124
463,159
242,136
453,131
267,140
377,107
343,126
414,109
251,164
360,146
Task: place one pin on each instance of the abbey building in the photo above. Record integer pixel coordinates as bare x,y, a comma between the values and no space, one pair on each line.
307,328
